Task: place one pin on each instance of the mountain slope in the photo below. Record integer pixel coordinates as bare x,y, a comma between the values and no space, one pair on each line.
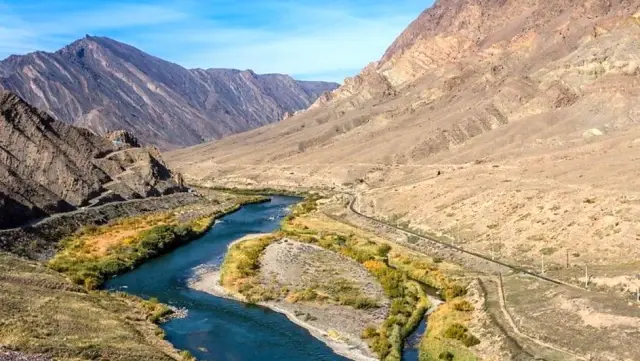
527,106
47,166
105,85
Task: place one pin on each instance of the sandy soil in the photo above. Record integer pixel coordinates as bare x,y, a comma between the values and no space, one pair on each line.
298,266
585,322
208,280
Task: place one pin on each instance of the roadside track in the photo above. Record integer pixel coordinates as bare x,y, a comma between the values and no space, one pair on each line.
458,249
501,295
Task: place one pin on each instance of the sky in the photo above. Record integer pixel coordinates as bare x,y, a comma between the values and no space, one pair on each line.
308,39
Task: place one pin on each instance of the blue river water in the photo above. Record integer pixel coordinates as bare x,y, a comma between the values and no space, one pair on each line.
217,329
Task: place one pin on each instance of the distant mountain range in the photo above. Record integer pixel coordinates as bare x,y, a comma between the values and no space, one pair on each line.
105,85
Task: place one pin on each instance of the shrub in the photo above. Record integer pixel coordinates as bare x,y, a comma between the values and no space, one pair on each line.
459,332
462,306
383,250
187,356
369,332
359,302
452,291
455,331
446,355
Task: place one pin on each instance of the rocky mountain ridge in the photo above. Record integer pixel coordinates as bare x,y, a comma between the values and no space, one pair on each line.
47,166
105,85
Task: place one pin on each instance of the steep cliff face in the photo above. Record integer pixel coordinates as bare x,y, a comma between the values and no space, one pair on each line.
105,85
47,166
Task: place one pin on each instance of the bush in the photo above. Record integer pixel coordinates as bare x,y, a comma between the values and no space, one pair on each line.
463,306
446,355
369,332
358,302
383,250
452,291
187,356
459,332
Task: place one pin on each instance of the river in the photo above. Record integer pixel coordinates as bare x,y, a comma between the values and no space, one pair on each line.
218,329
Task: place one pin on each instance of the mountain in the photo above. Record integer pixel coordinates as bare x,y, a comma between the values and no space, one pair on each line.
47,166
514,119
105,85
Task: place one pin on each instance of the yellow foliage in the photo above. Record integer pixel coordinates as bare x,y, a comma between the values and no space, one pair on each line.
374,265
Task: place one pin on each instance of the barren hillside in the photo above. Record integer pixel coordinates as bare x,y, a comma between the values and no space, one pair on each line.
47,166
527,108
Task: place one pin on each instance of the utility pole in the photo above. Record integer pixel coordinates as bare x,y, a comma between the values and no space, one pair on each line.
567,258
586,276
542,263
458,241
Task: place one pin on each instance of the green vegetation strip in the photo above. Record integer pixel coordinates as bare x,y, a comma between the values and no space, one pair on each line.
401,276
78,259
263,191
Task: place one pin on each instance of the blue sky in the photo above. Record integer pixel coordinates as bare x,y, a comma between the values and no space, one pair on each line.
309,39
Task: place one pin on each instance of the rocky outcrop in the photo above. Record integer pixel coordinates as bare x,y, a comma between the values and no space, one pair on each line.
47,166
104,85
123,138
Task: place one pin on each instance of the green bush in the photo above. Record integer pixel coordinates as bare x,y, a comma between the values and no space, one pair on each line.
383,250
92,271
369,332
359,302
459,332
446,355
187,356
452,291
462,306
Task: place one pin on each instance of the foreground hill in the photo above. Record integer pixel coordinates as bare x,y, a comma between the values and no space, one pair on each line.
104,85
527,108
49,318
47,166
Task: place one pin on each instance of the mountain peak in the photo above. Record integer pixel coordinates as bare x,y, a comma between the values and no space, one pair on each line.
116,86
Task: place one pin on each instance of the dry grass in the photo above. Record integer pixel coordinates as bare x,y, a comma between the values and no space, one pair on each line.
41,312
240,268
100,240
98,252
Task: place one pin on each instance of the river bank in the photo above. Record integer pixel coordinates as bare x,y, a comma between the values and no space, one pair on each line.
208,280
220,328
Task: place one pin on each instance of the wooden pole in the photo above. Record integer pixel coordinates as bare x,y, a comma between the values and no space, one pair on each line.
543,263
586,276
567,258
458,240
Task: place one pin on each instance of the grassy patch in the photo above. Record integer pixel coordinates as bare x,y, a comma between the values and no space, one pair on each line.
241,266
98,252
447,336
42,312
